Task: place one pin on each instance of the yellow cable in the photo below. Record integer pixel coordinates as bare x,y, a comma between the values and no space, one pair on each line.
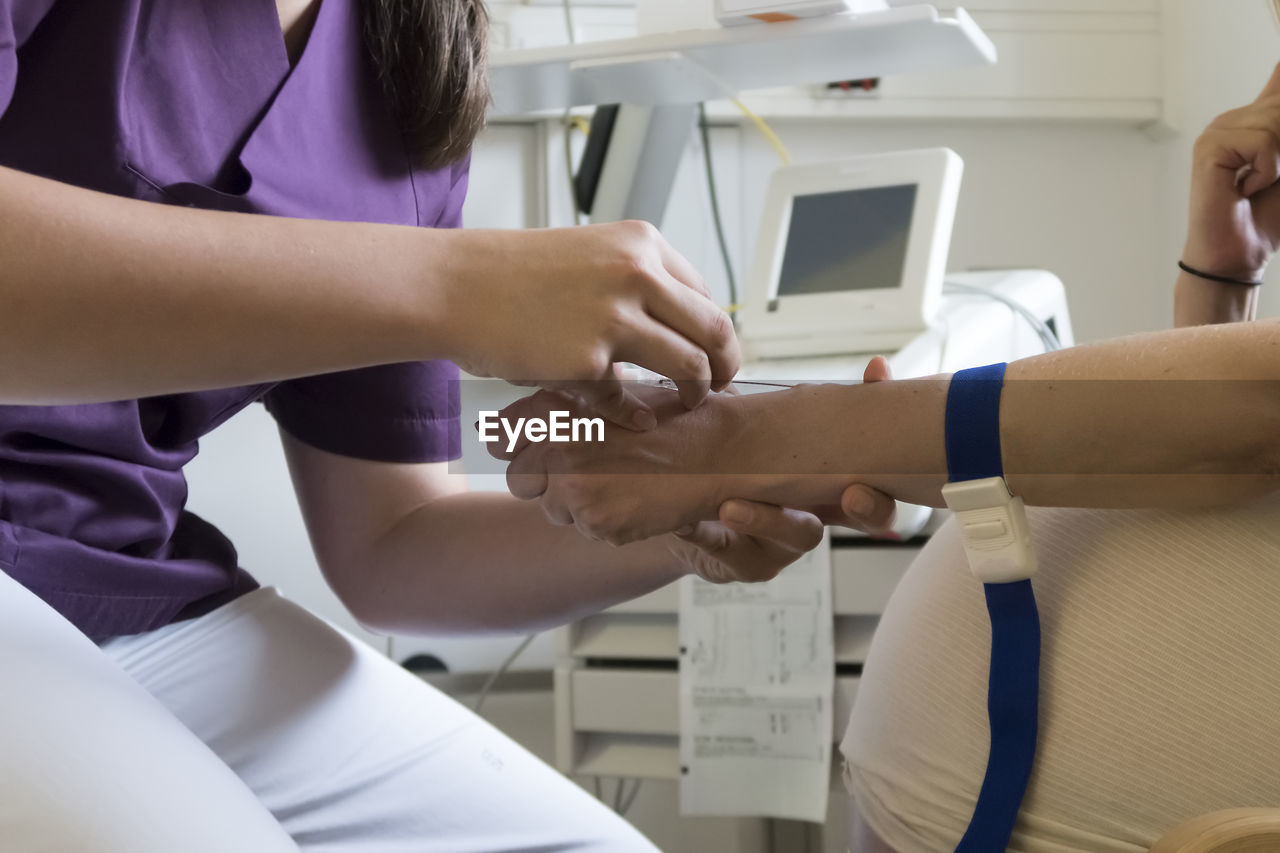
776,143
765,129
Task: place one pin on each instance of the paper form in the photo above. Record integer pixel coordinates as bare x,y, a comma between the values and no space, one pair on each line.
757,677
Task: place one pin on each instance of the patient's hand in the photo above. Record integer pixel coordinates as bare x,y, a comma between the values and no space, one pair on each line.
720,541
637,485
632,485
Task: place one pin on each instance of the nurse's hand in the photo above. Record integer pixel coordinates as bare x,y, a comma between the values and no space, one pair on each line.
561,308
1235,201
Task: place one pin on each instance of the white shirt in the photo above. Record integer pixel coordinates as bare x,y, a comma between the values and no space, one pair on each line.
1160,683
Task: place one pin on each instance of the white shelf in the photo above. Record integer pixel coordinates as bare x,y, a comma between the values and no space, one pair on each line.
800,106
702,65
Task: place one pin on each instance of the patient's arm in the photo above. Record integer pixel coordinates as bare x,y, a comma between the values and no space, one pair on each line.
1189,417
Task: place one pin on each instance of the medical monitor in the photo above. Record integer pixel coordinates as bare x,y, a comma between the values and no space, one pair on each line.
851,254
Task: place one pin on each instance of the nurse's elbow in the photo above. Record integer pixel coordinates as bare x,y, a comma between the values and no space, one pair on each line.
359,593
385,609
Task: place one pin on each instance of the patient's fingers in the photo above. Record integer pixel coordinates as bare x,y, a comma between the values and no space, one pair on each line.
526,487
527,476
539,405
558,514
790,529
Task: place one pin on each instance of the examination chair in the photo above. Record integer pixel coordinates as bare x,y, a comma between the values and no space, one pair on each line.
1231,831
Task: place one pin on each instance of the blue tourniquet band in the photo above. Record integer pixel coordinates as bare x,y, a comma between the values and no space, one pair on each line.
973,453
973,424
1013,692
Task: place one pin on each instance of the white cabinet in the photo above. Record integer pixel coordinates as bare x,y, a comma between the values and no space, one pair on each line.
616,688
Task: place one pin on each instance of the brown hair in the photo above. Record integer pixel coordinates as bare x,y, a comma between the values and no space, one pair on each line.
431,60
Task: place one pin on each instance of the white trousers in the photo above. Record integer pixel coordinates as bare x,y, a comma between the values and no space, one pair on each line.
262,728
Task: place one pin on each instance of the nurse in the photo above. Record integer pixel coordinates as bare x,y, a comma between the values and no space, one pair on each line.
151,698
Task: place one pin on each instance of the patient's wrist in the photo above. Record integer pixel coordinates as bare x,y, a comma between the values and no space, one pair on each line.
1207,257
782,452
805,446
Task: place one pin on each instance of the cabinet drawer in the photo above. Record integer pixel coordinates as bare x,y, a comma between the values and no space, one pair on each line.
647,703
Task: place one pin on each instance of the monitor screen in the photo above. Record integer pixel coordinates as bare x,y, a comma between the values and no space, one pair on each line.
851,240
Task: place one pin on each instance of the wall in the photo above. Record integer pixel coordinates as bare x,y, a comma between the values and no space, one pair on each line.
1100,204
1080,201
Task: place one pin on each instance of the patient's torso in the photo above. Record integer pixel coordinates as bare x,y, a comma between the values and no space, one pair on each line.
1160,682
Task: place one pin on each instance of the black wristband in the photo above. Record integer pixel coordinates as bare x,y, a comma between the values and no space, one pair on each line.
1221,279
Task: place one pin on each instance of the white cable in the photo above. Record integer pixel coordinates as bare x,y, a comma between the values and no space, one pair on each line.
623,798
500,671
630,798
567,5
1046,335
1042,330
944,351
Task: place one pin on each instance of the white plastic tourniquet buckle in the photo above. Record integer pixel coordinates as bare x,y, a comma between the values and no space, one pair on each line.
993,524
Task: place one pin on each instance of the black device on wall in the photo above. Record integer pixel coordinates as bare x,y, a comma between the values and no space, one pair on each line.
587,181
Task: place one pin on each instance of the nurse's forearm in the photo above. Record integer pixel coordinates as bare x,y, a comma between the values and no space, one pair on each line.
485,563
108,298
1189,417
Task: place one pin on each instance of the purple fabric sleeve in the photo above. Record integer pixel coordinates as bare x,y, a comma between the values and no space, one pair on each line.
395,413
18,18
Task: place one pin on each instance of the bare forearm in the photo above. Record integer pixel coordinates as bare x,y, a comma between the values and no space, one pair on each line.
109,298
1198,302
1183,418
483,563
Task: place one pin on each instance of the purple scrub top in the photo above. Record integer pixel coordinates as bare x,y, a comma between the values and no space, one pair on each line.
193,102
